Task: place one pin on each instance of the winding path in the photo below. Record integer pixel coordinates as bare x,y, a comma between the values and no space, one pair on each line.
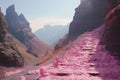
86,60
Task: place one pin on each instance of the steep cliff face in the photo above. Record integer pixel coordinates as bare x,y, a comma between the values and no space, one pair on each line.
112,4
20,28
18,25
111,36
89,15
9,54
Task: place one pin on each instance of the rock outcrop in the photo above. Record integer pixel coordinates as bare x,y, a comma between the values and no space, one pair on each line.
88,16
112,4
111,36
9,54
20,28
18,25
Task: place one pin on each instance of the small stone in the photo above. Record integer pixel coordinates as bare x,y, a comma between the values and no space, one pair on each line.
94,73
22,78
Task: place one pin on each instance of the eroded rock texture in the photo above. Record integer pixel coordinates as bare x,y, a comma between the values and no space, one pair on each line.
20,28
111,36
9,55
88,16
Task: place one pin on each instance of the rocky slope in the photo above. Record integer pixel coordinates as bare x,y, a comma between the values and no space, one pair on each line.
88,15
20,28
9,54
111,37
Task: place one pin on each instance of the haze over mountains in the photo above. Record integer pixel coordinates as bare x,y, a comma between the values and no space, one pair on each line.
90,50
50,34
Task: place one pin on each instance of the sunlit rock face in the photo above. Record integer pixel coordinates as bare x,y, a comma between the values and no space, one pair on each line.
111,36
20,28
9,54
88,15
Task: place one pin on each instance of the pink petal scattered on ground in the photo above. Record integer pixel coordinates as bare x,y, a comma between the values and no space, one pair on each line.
22,78
42,72
33,72
12,72
56,62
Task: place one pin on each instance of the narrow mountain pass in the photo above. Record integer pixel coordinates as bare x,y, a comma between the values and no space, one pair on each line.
86,60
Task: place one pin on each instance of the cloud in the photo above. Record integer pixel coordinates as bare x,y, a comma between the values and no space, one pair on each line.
40,22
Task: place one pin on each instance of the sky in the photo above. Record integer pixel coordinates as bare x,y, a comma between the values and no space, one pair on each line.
42,12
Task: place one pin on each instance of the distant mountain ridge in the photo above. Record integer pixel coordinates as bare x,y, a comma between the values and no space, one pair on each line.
51,34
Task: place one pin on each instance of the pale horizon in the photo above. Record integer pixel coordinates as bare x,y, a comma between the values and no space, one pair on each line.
40,13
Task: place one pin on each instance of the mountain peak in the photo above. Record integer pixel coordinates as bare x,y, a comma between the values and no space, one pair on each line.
20,28
10,9
0,9
3,25
23,19
21,15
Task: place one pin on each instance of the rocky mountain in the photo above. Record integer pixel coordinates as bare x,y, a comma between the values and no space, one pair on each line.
111,37
51,34
9,54
20,28
88,15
